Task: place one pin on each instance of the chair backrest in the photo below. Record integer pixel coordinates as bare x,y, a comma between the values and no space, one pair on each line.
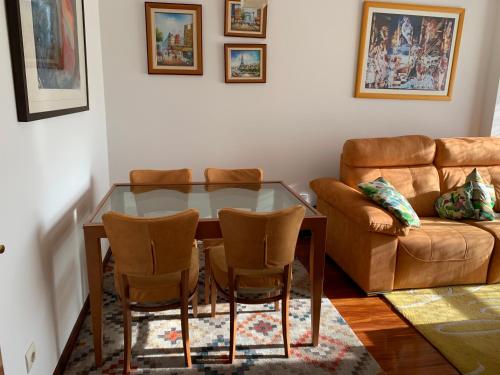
228,176
148,247
260,240
158,177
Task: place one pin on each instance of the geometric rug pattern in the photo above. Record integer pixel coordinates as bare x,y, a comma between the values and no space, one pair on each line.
157,340
462,322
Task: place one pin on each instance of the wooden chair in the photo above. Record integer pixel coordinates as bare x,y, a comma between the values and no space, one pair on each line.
157,268
225,176
161,177
256,257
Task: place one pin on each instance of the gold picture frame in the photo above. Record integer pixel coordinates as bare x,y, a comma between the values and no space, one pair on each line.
408,51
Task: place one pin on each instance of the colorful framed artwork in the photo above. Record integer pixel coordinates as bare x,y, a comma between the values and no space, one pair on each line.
244,22
174,38
47,46
245,63
408,51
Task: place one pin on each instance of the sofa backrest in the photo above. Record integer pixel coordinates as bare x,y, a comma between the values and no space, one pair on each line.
406,162
457,157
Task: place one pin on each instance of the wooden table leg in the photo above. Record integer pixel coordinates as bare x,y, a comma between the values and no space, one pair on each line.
95,275
317,272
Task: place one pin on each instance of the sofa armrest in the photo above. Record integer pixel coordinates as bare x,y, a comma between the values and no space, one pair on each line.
357,208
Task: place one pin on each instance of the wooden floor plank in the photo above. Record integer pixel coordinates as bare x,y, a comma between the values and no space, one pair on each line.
395,344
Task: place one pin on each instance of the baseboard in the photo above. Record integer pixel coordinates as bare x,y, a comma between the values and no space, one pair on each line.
73,337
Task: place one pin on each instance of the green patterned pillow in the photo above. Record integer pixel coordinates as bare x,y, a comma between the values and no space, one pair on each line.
456,205
385,195
481,197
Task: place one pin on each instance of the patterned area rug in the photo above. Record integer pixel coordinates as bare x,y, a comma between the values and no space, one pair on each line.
157,340
463,323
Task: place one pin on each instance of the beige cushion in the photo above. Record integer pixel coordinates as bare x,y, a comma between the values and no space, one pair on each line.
246,279
153,289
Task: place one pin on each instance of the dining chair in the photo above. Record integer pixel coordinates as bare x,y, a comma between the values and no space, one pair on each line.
156,269
225,176
255,259
161,177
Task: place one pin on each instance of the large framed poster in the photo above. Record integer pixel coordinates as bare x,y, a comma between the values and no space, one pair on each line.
408,51
48,52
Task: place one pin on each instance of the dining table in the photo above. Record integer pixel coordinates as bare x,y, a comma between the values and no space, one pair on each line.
157,201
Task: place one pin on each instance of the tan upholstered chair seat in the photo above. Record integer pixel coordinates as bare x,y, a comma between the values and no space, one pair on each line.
260,279
492,227
164,288
214,242
442,252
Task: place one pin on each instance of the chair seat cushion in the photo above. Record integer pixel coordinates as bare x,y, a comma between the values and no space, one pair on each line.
492,227
246,279
212,242
160,288
442,252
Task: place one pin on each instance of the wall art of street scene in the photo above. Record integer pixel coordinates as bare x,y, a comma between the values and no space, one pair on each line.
409,52
174,38
245,63
244,21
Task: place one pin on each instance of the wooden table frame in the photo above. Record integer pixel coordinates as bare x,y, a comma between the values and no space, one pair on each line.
207,228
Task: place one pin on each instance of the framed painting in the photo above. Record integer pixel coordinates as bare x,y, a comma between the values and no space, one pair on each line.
174,38
245,63
243,21
408,51
47,47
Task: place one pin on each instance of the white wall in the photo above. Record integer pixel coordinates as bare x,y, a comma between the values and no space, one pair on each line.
53,171
295,125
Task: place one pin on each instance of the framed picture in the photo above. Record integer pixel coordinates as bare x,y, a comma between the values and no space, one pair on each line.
245,63
244,22
174,38
47,47
408,51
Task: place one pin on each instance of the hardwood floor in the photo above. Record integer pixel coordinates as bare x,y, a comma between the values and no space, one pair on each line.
396,345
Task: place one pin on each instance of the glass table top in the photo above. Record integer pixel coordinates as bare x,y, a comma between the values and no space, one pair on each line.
157,201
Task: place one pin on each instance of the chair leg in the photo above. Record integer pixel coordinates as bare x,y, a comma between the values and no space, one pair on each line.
194,303
277,305
185,317
208,277
232,317
285,309
213,296
127,339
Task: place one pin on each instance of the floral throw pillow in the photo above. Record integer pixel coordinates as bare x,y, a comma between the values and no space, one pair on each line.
456,205
384,194
482,199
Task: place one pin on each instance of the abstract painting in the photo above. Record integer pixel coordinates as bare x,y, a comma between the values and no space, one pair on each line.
408,51
245,63
174,38
50,72
243,21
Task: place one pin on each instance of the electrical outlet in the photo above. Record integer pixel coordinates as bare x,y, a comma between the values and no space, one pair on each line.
30,357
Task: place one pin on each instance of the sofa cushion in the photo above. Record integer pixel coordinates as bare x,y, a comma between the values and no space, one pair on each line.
387,152
481,197
420,184
457,157
470,151
457,204
443,252
492,227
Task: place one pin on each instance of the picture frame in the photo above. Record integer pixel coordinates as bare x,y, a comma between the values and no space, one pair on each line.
408,51
250,23
49,58
245,63
174,38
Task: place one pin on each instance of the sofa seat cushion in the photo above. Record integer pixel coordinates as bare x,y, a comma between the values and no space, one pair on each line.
492,227
443,252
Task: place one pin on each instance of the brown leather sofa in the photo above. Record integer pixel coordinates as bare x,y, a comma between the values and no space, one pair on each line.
375,249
